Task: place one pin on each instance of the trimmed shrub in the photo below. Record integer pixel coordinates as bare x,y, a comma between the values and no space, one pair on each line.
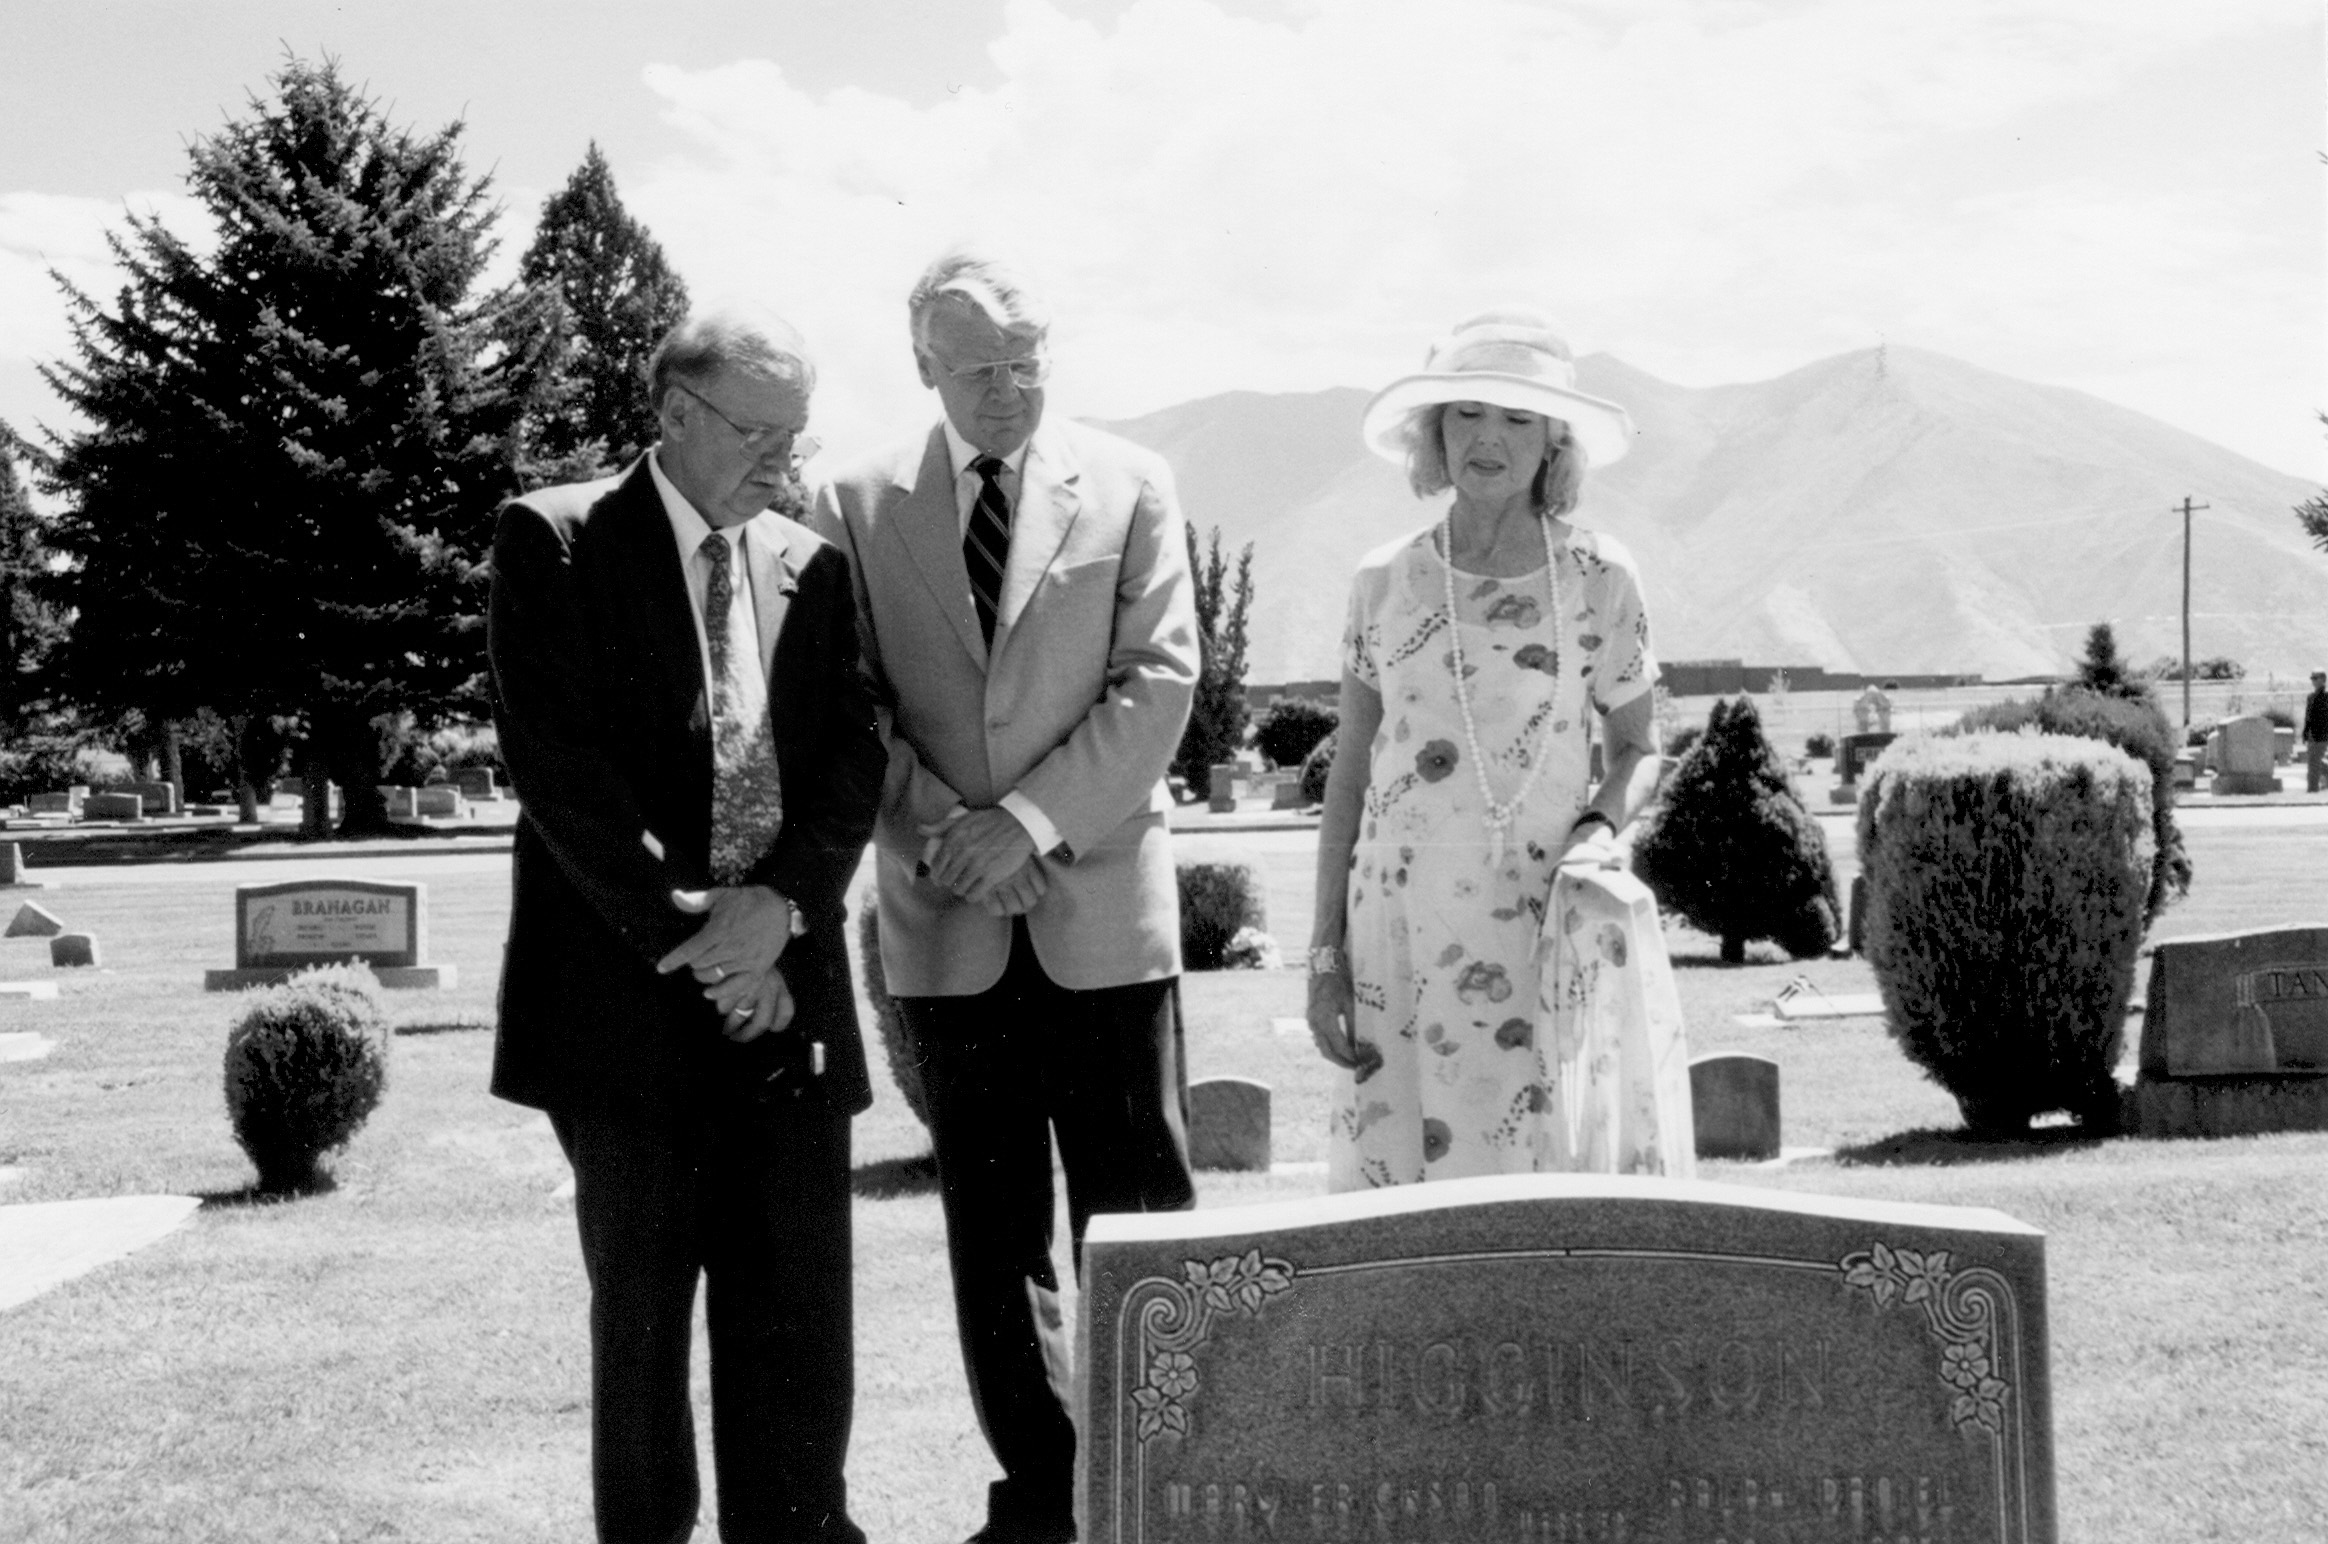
1684,740
1821,744
1731,850
2133,725
305,1067
2006,877
1316,767
2280,717
896,1042
1292,728
1217,902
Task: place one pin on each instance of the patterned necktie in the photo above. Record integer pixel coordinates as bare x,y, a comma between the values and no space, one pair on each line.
747,804
986,544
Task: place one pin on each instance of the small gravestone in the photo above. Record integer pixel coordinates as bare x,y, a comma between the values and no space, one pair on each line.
2283,744
68,950
13,875
287,926
440,800
34,921
2244,746
1228,1124
2234,1035
476,783
1545,1358
63,803
1288,794
1734,1102
1857,934
398,801
1222,798
111,805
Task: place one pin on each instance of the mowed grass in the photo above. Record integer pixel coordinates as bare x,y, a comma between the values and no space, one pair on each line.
406,1356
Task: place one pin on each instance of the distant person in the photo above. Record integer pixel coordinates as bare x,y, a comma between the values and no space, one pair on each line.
2315,731
1031,633
699,764
1474,653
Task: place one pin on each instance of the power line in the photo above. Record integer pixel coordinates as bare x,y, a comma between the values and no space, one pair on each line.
2187,507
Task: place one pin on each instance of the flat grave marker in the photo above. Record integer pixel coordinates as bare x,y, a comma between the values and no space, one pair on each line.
287,926
1562,1359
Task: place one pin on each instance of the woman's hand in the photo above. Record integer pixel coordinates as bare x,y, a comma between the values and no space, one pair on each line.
1333,1017
1595,846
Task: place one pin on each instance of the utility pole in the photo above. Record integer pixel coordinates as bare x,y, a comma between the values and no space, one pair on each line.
2187,507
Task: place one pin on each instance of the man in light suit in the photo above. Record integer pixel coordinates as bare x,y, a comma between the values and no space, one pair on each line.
698,762
1030,631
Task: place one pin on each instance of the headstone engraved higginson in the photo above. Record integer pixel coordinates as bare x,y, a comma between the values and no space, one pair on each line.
285,927
1566,1359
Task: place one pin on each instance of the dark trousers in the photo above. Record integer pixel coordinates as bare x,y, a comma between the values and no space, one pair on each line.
755,1199
2312,770
1004,1070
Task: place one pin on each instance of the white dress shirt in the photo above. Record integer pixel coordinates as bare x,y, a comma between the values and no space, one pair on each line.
691,530
1013,482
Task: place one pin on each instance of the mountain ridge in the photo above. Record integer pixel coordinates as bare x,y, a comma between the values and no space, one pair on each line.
1890,509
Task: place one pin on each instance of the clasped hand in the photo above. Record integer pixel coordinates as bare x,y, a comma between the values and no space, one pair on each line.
734,956
985,857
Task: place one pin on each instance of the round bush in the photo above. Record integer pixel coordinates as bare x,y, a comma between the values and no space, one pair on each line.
2133,725
1316,768
1292,728
2006,877
305,1067
1820,744
1217,902
896,1041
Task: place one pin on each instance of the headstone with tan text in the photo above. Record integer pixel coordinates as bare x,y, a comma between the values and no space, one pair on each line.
287,926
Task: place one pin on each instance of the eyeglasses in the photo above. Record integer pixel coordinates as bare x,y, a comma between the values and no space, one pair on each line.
1025,373
759,441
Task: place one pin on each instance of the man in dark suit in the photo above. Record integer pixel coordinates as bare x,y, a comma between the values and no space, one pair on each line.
1031,630
699,764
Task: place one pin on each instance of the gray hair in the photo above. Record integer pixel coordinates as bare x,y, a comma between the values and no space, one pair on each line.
1559,480
980,283
707,344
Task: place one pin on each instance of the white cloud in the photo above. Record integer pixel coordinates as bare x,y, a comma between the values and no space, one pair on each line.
1218,201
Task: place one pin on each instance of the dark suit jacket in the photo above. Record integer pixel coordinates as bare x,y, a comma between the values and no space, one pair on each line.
606,729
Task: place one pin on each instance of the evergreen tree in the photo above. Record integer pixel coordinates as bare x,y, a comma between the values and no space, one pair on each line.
1216,719
620,297
29,626
286,500
2312,514
2101,670
1731,850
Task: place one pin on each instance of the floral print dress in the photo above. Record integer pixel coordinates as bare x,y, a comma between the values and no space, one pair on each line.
1442,942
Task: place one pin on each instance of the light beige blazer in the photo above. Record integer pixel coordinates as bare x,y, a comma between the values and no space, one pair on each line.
1079,705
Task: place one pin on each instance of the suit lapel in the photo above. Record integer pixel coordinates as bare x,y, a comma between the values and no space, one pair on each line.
930,526
666,615
1047,506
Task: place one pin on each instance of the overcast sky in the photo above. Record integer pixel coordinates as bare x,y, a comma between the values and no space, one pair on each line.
2123,196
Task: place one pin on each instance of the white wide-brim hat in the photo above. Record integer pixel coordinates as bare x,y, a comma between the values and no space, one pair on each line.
1511,358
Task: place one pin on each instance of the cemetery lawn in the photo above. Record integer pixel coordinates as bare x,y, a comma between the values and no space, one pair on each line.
405,1357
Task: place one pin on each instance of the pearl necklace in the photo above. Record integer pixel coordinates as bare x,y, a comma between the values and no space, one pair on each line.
1500,814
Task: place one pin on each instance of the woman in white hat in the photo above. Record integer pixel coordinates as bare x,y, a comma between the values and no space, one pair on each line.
1474,651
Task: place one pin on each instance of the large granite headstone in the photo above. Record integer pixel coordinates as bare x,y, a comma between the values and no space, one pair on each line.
2235,1035
63,802
476,783
2245,749
158,798
1563,1359
285,927
113,805
1222,799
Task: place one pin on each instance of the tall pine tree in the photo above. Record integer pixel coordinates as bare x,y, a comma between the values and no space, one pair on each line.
29,626
620,296
298,438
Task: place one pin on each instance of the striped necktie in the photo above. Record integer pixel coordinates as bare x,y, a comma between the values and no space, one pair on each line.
747,803
986,544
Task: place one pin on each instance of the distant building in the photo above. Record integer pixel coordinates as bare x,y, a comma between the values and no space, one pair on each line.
1724,677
